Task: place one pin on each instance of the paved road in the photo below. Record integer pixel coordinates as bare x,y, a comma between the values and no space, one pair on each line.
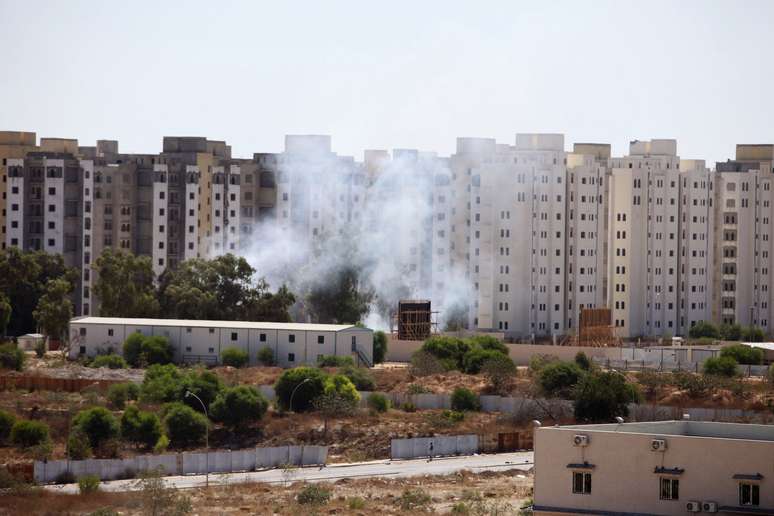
397,468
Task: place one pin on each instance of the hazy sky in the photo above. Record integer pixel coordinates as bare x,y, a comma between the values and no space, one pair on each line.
390,74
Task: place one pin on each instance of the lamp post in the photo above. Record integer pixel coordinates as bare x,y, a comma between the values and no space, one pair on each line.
290,407
206,439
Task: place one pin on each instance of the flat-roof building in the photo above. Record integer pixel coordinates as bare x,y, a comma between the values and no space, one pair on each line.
658,468
293,344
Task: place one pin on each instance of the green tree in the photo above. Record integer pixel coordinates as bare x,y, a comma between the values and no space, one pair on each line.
124,285
362,379
205,384
98,424
721,366
743,354
378,402
110,361
140,350
731,332
307,382
78,446
474,359
753,334
5,313
463,400
450,351
7,421
12,357
234,357
500,371
141,428
54,309
184,425
133,348
266,356
559,378
489,342
26,434
341,299
380,346
162,383
704,329
601,396
237,407
117,394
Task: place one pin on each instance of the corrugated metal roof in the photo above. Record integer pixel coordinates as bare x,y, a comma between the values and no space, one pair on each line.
762,345
191,323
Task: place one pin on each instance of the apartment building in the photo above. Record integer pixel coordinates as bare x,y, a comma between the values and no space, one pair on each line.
13,145
661,468
743,237
660,241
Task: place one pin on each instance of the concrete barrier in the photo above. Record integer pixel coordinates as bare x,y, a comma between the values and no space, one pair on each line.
438,446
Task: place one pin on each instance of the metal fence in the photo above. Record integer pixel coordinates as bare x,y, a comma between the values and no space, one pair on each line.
186,463
640,365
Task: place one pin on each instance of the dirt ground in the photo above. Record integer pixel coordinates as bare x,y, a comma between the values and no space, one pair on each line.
501,493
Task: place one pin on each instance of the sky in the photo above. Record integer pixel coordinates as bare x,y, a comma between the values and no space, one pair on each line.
384,75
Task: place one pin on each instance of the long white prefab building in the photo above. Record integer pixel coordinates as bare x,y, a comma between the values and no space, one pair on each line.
293,344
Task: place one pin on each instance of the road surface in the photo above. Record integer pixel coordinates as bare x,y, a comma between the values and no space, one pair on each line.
386,468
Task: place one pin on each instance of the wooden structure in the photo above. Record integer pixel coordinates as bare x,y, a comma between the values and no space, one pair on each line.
595,328
415,319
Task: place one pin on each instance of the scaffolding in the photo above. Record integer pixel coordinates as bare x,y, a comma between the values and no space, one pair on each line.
415,320
595,329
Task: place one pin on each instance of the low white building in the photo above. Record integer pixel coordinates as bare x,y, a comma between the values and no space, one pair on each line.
293,344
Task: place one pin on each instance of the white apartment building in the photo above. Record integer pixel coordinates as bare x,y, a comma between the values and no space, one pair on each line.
660,257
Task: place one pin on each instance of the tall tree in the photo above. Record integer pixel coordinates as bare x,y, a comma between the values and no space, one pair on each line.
5,313
124,285
339,298
55,309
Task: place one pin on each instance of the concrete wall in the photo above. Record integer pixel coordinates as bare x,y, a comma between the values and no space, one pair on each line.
438,446
623,477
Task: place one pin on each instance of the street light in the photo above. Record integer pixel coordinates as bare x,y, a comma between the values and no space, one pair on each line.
206,439
290,407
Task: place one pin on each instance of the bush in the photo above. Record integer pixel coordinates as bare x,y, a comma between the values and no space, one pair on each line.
583,361
463,399
161,445
239,406
26,434
558,378
140,350
98,424
203,383
313,386
730,332
133,348
409,407
704,329
266,357
380,347
743,354
476,357
12,357
720,366
40,348
335,361
234,357
753,334
65,477
362,379
7,421
356,503
162,383
142,428
425,364
453,416
88,484
132,391
378,402
413,500
314,494
499,371
415,388
78,447
184,425
450,351
602,396
538,362
110,361
489,343
117,394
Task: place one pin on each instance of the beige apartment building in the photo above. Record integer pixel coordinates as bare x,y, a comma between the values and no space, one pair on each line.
13,145
661,468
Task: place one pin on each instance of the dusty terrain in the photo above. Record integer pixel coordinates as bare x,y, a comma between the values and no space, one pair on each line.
463,493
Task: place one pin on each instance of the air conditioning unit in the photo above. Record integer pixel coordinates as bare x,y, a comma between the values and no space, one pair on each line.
693,506
580,440
709,506
658,445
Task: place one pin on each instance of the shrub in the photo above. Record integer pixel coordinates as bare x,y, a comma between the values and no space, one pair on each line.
415,388
140,350
110,361
356,503
409,407
378,402
184,425
753,334
234,357
335,361
7,421
730,332
413,500
266,356
88,484
583,361
538,362
78,447
117,394
40,348
157,499
133,348
475,358
602,396
142,428
704,329
162,383
12,357
26,434
425,364
489,343
380,347
362,379
463,399
450,351
65,477
239,406
291,380
720,366
453,416
132,391
161,445
559,378
203,383
499,371
743,354
314,494
98,424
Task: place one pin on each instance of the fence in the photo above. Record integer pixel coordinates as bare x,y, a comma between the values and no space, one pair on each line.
221,461
440,446
668,365
44,383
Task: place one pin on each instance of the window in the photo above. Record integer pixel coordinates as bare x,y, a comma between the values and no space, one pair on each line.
212,330
291,338
110,332
354,343
749,494
581,483
82,332
262,337
670,489
210,350
188,348
291,357
233,335
82,350
321,339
